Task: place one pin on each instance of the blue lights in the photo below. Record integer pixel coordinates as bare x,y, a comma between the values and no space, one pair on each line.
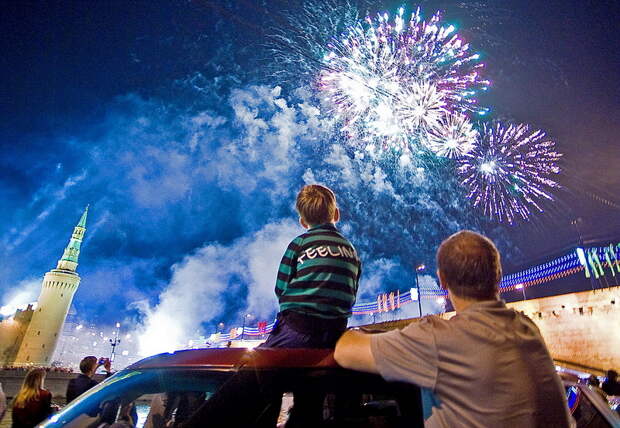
560,267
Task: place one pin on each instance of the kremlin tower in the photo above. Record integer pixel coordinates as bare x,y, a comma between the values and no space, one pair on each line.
59,286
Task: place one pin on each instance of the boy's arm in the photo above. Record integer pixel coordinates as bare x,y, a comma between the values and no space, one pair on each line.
288,266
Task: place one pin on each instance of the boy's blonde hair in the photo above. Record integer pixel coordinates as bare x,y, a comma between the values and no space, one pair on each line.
316,204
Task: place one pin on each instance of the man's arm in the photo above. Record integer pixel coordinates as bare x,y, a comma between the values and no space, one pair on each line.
107,366
353,352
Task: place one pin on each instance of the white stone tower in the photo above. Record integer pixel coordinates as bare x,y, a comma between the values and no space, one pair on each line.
59,286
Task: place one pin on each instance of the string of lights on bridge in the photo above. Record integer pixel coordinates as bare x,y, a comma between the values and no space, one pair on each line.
592,261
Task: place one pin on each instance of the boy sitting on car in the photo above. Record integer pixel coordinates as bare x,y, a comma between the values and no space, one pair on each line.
317,279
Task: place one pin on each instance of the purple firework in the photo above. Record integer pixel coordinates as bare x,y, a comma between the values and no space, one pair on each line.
511,169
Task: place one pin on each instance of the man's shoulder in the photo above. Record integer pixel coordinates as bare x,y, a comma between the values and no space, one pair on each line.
428,324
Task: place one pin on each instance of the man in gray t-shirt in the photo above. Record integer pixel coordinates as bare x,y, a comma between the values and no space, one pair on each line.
488,366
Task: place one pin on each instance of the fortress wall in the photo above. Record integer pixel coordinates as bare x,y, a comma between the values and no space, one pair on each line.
580,328
12,332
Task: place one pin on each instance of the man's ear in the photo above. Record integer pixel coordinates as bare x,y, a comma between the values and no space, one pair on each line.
336,216
441,282
303,223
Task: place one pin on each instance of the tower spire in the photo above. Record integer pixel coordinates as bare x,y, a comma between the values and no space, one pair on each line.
69,260
57,291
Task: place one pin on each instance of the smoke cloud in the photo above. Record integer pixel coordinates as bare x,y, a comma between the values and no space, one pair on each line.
206,284
20,296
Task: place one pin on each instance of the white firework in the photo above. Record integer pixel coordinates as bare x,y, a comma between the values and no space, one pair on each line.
454,137
421,108
391,80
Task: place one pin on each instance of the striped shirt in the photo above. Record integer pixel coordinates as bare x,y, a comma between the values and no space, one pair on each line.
319,274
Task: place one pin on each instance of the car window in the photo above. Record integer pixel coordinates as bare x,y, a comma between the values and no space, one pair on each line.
310,397
582,409
141,398
257,398
353,399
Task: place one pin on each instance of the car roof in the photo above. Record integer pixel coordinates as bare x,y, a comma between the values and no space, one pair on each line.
234,358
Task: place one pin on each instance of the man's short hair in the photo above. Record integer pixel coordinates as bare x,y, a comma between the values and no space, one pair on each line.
470,266
316,204
88,363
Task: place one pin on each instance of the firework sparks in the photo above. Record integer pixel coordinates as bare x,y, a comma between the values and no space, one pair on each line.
510,170
391,81
423,107
453,137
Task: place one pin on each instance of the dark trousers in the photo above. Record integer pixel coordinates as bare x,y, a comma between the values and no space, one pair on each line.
285,336
308,408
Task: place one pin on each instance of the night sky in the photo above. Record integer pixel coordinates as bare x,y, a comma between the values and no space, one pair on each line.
189,142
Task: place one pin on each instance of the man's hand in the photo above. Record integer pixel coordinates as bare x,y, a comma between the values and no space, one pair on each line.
353,352
107,365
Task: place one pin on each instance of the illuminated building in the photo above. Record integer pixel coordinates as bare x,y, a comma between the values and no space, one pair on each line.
32,335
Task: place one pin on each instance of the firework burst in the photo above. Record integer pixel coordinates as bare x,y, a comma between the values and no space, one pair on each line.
390,81
510,170
453,137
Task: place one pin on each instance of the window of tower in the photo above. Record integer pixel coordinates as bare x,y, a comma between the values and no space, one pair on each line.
28,358
39,333
43,346
61,294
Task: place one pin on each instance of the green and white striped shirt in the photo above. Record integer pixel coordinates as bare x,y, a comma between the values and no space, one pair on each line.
319,274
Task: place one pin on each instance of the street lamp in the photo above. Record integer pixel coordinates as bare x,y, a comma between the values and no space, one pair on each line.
117,340
419,268
220,327
248,316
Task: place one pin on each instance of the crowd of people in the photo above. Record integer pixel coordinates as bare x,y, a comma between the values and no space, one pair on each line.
486,366
28,368
33,403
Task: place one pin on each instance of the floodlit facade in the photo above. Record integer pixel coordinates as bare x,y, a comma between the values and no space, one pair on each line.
40,337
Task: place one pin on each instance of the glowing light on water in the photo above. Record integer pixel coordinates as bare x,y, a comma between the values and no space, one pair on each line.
510,171
391,81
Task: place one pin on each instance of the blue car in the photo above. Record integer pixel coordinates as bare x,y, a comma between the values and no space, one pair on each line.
256,388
